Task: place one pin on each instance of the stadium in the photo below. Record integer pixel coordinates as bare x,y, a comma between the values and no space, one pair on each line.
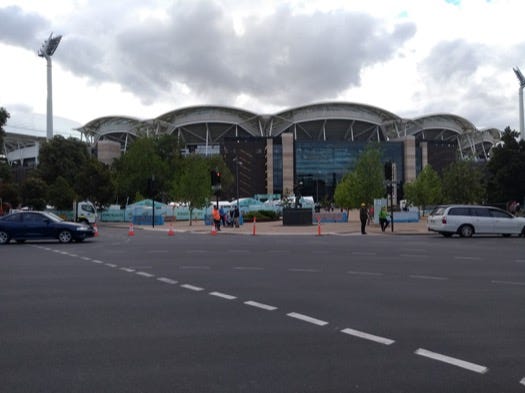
312,145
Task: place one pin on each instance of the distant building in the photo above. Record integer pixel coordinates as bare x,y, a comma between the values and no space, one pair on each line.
314,144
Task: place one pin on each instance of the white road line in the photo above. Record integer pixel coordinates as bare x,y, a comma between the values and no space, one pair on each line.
468,258
367,336
96,261
427,277
520,260
248,268
239,251
144,274
85,258
364,273
223,295
453,361
308,319
413,256
192,287
111,265
127,269
167,280
195,267
304,270
522,381
260,305
508,282
363,253
73,255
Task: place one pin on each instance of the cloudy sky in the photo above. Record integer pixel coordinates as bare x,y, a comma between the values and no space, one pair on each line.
144,58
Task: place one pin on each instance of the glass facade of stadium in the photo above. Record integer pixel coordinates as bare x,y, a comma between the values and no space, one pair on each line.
313,145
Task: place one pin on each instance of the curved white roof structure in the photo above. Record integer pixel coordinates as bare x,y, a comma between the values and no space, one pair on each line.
330,121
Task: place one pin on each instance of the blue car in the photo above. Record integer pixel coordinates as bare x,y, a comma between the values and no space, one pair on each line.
35,225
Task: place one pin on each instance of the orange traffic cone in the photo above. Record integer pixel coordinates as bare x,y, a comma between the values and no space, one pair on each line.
95,229
171,232
131,231
213,229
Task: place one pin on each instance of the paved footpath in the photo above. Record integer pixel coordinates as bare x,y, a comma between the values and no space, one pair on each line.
352,227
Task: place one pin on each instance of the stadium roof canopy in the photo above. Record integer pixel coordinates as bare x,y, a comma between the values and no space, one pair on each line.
329,121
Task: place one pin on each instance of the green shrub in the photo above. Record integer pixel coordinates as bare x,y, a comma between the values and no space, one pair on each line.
261,215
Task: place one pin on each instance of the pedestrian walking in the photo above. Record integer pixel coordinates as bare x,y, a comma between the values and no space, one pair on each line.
363,216
236,215
383,218
216,218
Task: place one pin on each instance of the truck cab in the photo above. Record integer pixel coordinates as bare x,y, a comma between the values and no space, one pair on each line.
84,211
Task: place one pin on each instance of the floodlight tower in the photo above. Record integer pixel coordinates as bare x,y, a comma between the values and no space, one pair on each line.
46,50
521,79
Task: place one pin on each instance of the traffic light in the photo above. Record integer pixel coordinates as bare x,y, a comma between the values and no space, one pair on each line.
215,178
388,170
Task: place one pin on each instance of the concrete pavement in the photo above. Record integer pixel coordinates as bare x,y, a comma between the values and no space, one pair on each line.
352,227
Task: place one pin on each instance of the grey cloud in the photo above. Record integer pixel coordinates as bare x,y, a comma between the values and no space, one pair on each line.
454,61
20,28
284,58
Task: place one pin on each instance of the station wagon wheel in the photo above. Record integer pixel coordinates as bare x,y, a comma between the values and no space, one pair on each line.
65,237
466,231
4,237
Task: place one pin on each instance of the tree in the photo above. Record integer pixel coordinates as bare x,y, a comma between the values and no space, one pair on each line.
137,166
506,169
60,194
192,183
4,115
463,182
364,184
95,183
62,157
425,190
33,193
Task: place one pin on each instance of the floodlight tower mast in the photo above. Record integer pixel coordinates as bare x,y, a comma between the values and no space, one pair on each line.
521,79
46,50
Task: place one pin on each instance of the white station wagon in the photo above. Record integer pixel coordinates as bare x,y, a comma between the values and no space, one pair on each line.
467,220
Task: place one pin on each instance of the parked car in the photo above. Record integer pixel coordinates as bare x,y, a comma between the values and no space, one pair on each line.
32,225
467,220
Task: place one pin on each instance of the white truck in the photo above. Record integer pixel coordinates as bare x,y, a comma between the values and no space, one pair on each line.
84,211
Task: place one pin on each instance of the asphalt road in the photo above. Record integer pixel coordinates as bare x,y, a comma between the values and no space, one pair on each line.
202,313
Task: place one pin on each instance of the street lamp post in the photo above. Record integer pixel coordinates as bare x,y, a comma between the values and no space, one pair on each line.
46,50
521,79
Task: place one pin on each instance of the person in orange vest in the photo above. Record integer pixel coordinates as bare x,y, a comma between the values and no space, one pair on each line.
216,217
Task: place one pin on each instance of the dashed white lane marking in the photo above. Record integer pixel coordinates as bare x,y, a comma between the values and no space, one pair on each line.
96,261
127,269
111,265
144,274
364,273
195,267
192,287
248,268
522,381
520,260
508,282
307,318
363,253
260,305
423,277
304,270
453,361
413,256
467,258
167,280
85,258
71,255
367,336
239,251
223,295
